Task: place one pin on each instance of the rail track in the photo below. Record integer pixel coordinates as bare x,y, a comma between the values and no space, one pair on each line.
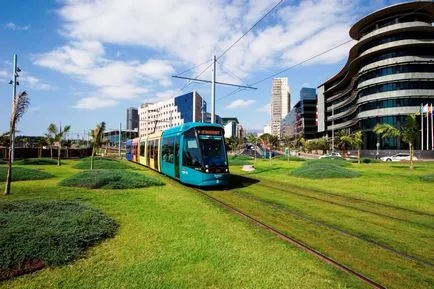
293,241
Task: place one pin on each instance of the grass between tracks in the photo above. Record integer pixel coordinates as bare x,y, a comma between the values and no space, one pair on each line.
171,237
380,224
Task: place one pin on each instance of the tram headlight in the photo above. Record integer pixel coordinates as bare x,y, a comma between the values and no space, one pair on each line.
207,171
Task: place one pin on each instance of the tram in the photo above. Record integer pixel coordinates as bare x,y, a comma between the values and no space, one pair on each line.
193,153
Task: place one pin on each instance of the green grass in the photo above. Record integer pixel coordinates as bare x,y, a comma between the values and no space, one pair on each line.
380,224
2,162
52,231
37,161
103,163
325,168
24,174
171,237
110,179
291,158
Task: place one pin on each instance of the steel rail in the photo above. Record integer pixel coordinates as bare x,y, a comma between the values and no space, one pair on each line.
295,242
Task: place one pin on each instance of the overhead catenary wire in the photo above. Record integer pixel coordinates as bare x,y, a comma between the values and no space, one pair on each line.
318,55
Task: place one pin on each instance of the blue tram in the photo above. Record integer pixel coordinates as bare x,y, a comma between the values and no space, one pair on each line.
193,153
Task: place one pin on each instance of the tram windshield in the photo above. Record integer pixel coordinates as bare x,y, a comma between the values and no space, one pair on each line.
212,148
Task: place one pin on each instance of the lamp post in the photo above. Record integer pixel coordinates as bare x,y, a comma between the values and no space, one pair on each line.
14,83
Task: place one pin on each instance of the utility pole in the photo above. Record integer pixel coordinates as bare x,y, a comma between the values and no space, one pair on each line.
213,90
120,136
14,93
333,128
213,83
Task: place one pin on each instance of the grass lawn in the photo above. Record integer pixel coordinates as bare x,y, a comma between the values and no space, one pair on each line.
48,232
110,179
323,169
171,237
24,174
380,224
103,163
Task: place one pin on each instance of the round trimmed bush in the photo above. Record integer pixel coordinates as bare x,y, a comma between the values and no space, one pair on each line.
24,174
37,161
36,233
428,178
110,179
103,163
320,169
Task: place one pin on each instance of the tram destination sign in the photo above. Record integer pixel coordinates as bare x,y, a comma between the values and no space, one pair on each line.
209,132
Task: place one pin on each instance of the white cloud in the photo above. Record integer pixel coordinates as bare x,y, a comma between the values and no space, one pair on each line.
3,74
265,108
13,26
35,83
189,33
34,108
91,103
238,103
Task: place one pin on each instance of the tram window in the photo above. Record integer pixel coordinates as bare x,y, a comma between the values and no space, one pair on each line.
213,150
142,149
155,149
191,152
149,150
167,150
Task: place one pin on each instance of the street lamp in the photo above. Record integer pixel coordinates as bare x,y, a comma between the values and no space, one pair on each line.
14,83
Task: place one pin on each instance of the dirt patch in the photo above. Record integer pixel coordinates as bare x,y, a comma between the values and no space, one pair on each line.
29,266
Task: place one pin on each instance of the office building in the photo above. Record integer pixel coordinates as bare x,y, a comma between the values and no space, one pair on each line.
301,121
388,75
158,116
280,103
132,118
232,127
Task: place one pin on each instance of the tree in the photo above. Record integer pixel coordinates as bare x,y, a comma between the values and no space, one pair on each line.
58,134
323,144
344,141
409,133
41,143
251,138
97,140
19,107
385,130
49,137
358,143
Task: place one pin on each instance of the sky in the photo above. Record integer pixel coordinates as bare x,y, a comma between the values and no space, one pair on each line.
87,61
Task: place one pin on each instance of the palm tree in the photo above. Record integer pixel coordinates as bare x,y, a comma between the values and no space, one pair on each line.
358,143
49,137
409,133
97,138
19,107
384,130
344,141
58,135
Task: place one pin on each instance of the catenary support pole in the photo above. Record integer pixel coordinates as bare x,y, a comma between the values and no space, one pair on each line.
120,137
213,90
14,93
333,128
421,127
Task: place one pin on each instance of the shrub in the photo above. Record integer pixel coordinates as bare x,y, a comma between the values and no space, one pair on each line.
428,178
49,232
24,174
103,163
110,179
37,161
320,169
335,161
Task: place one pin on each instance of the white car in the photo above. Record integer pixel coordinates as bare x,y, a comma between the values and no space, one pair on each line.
331,155
398,157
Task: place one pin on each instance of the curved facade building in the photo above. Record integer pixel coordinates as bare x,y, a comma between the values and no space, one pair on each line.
388,75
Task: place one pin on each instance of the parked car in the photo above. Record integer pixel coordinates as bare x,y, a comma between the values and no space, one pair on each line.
398,157
331,155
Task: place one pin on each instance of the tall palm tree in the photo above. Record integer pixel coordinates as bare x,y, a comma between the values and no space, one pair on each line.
409,133
358,143
97,139
19,107
58,136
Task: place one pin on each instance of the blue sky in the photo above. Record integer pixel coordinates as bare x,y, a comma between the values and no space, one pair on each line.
87,61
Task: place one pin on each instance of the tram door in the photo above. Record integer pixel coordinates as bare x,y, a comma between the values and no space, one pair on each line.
176,156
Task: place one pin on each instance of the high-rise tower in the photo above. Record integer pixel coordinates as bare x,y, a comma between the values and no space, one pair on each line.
280,103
